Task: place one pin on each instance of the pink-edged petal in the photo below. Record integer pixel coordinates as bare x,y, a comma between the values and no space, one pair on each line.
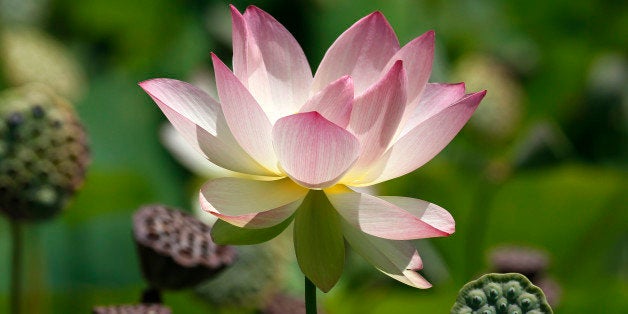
334,102
361,51
417,57
376,115
200,120
397,259
246,119
270,62
431,214
380,218
313,151
422,143
251,203
436,97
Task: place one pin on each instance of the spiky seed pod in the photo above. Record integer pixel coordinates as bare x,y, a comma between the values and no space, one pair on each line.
132,309
513,259
501,294
175,249
43,153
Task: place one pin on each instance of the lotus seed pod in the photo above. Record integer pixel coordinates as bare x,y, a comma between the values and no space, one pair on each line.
500,114
132,309
282,303
175,249
28,55
510,293
43,153
253,279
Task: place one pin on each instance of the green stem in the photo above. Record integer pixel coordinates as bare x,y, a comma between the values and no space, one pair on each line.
310,297
16,266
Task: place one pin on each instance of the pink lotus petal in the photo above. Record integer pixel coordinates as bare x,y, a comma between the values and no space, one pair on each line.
251,203
313,151
380,218
435,98
376,115
397,259
417,57
270,62
362,51
199,119
246,119
334,102
431,214
423,142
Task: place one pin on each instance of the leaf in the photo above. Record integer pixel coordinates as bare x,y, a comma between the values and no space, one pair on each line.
318,241
225,233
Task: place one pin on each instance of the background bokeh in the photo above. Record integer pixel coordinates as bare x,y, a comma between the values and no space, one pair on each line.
542,164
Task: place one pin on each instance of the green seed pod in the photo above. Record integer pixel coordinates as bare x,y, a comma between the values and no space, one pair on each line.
510,293
175,249
43,153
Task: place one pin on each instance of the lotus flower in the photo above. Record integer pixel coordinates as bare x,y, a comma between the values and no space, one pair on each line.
367,115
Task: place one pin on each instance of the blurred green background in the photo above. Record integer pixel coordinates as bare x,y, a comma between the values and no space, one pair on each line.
542,164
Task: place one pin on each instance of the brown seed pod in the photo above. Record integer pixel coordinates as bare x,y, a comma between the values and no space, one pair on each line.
132,309
176,250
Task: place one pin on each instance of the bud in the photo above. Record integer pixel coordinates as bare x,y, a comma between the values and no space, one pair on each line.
501,293
43,153
499,115
176,250
253,279
28,55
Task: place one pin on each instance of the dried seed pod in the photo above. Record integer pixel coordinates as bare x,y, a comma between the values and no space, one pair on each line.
176,250
283,303
132,309
501,294
513,259
43,153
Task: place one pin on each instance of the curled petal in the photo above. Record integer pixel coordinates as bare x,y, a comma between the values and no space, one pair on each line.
422,143
251,203
334,102
246,119
200,120
270,62
361,51
376,115
417,57
384,219
313,151
397,259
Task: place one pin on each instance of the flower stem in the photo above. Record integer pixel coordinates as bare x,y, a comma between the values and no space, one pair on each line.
310,297
16,266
